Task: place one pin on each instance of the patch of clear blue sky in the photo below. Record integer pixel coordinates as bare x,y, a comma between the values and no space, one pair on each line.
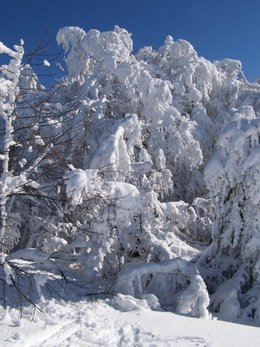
216,28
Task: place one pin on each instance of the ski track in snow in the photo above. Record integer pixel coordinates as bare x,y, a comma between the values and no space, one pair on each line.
189,341
54,336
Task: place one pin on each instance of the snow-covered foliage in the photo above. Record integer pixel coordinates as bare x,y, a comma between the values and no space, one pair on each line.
233,179
176,284
137,173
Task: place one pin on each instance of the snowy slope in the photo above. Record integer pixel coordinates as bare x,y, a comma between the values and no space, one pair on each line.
97,324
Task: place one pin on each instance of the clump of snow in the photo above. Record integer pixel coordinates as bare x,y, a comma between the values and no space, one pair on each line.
79,182
9,274
126,303
40,281
46,63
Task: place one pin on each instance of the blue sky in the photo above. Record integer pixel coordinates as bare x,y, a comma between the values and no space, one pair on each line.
216,28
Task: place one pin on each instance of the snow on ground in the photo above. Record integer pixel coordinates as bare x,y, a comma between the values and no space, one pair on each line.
96,323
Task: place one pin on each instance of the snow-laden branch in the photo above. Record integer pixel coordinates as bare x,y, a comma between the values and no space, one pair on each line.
9,92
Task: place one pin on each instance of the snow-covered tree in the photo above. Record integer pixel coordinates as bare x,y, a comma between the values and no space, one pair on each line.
137,169
231,263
